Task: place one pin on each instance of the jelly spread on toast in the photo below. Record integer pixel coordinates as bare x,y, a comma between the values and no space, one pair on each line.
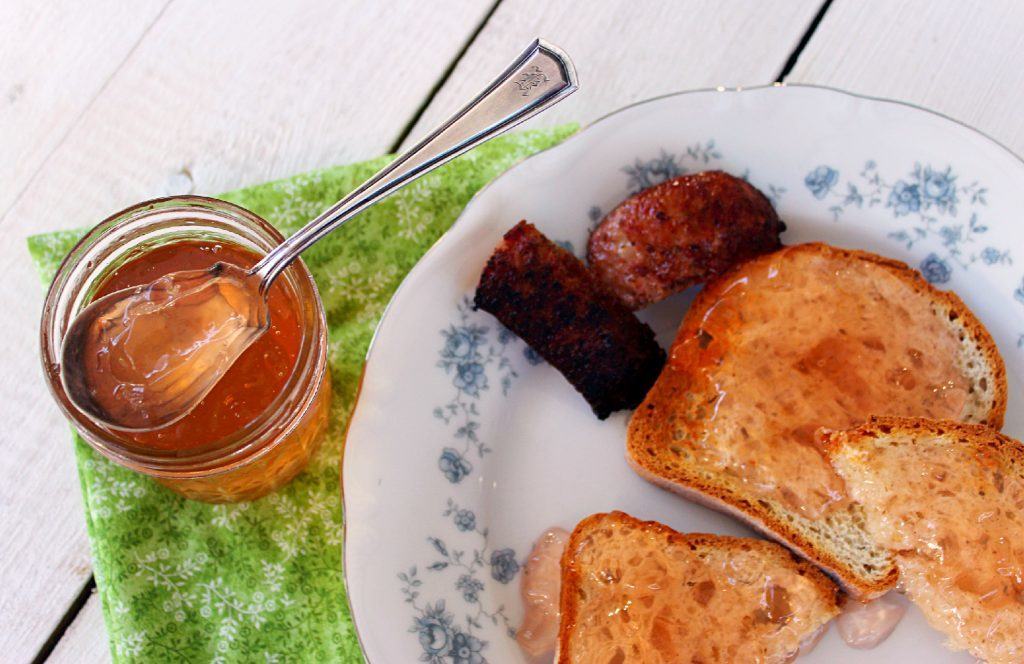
947,499
639,592
799,339
968,539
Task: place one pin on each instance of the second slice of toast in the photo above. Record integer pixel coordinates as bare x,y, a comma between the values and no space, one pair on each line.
638,591
948,499
809,336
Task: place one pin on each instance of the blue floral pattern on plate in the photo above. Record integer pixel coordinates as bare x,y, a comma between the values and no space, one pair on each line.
467,355
476,353
644,173
444,638
930,199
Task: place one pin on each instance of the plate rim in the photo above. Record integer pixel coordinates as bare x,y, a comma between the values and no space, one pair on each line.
583,128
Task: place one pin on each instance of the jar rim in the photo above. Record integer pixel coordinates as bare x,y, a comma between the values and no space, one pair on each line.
70,291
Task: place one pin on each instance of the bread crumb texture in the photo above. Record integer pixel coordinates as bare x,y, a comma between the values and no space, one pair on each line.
948,499
636,591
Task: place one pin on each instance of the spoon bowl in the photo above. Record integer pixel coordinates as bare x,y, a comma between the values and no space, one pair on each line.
143,357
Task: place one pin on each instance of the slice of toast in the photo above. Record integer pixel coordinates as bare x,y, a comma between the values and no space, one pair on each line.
638,591
809,336
948,499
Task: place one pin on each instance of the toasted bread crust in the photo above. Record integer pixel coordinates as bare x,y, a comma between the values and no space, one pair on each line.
572,574
650,426
977,436
695,490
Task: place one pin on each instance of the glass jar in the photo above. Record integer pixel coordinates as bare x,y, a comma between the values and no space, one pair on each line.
265,453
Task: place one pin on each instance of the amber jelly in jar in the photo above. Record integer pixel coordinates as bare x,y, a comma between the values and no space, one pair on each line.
265,418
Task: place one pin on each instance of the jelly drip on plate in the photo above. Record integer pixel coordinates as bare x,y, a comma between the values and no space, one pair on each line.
864,625
541,585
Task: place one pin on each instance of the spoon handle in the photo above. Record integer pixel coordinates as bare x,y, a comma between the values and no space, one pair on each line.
539,78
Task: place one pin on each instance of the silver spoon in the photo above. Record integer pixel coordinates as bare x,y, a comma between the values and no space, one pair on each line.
144,357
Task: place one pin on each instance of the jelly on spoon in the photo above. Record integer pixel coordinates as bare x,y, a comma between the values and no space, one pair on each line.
147,355
143,358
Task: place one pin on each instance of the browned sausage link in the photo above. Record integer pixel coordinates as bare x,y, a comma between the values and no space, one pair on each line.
680,233
549,298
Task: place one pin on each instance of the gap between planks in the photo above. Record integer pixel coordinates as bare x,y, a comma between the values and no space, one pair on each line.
802,44
404,134
65,622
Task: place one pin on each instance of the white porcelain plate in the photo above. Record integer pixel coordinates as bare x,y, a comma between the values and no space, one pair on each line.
464,447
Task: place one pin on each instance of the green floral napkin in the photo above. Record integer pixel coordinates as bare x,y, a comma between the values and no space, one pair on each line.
261,581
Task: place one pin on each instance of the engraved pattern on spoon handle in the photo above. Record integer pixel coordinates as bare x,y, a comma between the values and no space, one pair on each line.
540,77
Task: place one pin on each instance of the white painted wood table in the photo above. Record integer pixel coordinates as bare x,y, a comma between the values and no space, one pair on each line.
106,103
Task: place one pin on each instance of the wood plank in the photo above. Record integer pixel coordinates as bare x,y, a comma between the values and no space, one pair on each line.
962,58
50,72
221,95
626,51
218,95
86,641
51,69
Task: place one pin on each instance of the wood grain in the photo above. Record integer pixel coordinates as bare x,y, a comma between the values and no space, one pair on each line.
86,641
626,51
216,96
964,58
55,57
